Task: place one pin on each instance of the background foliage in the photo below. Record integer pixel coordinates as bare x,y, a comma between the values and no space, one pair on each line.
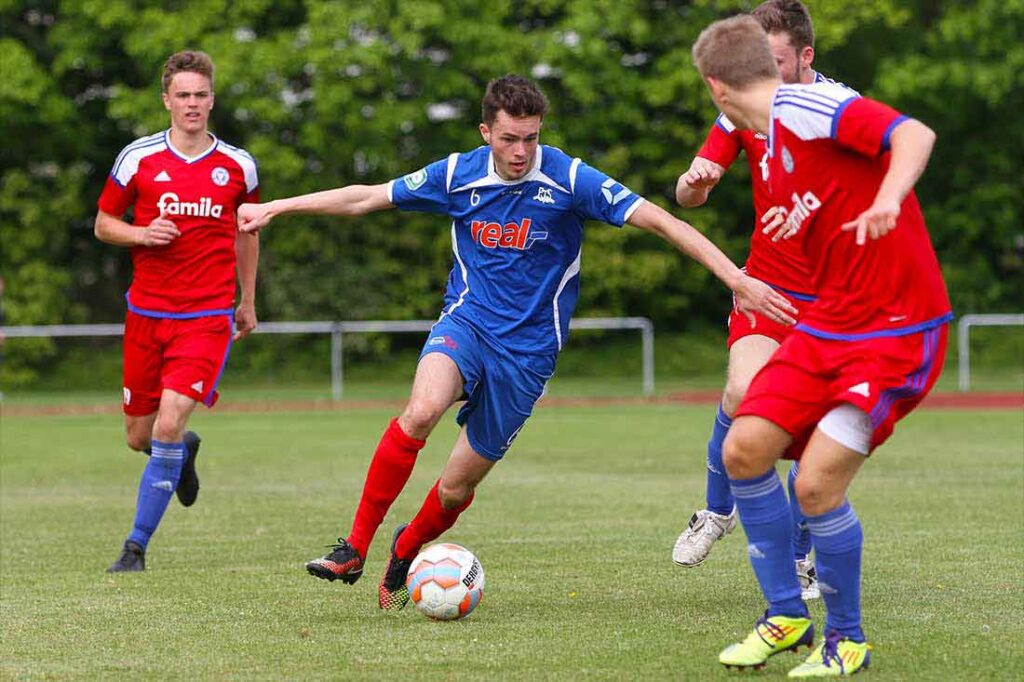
331,93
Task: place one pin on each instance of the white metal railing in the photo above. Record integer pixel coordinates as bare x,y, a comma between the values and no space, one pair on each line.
337,330
964,340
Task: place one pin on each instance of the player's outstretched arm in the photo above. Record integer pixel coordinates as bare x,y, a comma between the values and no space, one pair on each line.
694,186
752,295
113,230
911,143
343,201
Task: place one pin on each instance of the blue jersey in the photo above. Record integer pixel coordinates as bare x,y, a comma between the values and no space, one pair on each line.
515,279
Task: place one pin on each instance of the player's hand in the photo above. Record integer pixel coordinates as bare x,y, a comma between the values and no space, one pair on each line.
253,217
774,220
245,320
702,174
878,221
160,232
754,296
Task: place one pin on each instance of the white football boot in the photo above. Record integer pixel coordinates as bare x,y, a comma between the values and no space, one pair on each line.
705,528
808,579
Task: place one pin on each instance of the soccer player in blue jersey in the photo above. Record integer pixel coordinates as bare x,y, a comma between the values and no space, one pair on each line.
517,210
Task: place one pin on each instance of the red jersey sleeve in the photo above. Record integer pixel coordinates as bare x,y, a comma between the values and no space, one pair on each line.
116,199
865,125
721,145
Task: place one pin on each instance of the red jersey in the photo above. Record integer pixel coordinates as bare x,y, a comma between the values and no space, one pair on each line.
195,273
827,156
778,263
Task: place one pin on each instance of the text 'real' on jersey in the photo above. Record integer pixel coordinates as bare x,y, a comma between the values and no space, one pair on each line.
517,244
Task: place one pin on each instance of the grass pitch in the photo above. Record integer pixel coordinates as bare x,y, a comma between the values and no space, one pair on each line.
574,531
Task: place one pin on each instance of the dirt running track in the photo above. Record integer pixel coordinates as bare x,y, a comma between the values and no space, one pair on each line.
939,401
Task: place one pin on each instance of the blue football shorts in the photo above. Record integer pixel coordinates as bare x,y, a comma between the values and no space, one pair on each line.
501,386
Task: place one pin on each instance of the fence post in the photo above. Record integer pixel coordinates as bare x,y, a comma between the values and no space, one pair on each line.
647,343
337,347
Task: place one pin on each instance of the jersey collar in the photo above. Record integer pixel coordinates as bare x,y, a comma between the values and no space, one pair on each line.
191,159
531,174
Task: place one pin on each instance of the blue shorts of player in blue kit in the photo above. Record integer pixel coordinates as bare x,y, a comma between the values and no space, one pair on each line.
501,386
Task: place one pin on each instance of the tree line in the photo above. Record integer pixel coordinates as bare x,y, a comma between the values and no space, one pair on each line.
330,93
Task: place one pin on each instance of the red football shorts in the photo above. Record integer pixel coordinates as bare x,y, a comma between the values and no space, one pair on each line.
808,376
185,356
739,325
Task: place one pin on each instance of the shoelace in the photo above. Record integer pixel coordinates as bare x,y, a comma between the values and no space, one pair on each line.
771,628
830,651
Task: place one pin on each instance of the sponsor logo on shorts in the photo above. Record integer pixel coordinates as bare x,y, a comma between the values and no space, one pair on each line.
511,235
197,387
204,208
754,551
127,395
446,341
860,389
164,485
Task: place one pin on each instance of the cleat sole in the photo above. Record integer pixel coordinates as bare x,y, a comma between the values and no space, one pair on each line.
324,573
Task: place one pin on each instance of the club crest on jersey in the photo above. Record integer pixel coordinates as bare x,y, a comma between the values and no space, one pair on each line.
220,176
415,180
544,196
787,160
508,236
204,208
803,207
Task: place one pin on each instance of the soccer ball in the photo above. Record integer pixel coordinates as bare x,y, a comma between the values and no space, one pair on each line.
446,581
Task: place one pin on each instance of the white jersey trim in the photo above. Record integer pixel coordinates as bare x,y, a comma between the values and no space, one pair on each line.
573,168
391,192
811,111
465,276
246,162
632,209
570,272
492,178
453,160
127,163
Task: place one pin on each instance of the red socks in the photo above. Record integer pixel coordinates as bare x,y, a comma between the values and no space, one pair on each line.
389,471
431,521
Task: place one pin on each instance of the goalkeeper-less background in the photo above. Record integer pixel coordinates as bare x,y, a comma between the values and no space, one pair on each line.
330,93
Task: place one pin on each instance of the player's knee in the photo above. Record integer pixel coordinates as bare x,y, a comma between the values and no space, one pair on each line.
167,429
739,454
137,441
815,496
419,417
733,396
453,494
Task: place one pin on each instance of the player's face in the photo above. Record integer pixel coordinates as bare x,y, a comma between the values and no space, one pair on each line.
794,66
189,98
513,143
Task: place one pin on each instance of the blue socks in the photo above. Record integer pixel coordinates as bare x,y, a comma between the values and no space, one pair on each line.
159,479
768,523
838,540
719,497
801,535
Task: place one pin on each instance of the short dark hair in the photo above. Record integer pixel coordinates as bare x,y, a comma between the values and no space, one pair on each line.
735,51
516,96
789,17
191,61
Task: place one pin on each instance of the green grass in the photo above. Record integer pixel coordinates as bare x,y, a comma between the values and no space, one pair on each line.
574,531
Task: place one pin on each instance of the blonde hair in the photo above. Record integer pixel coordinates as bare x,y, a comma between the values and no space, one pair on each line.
191,61
735,51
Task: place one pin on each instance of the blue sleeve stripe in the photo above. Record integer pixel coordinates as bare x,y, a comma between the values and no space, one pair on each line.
888,131
839,114
881,333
